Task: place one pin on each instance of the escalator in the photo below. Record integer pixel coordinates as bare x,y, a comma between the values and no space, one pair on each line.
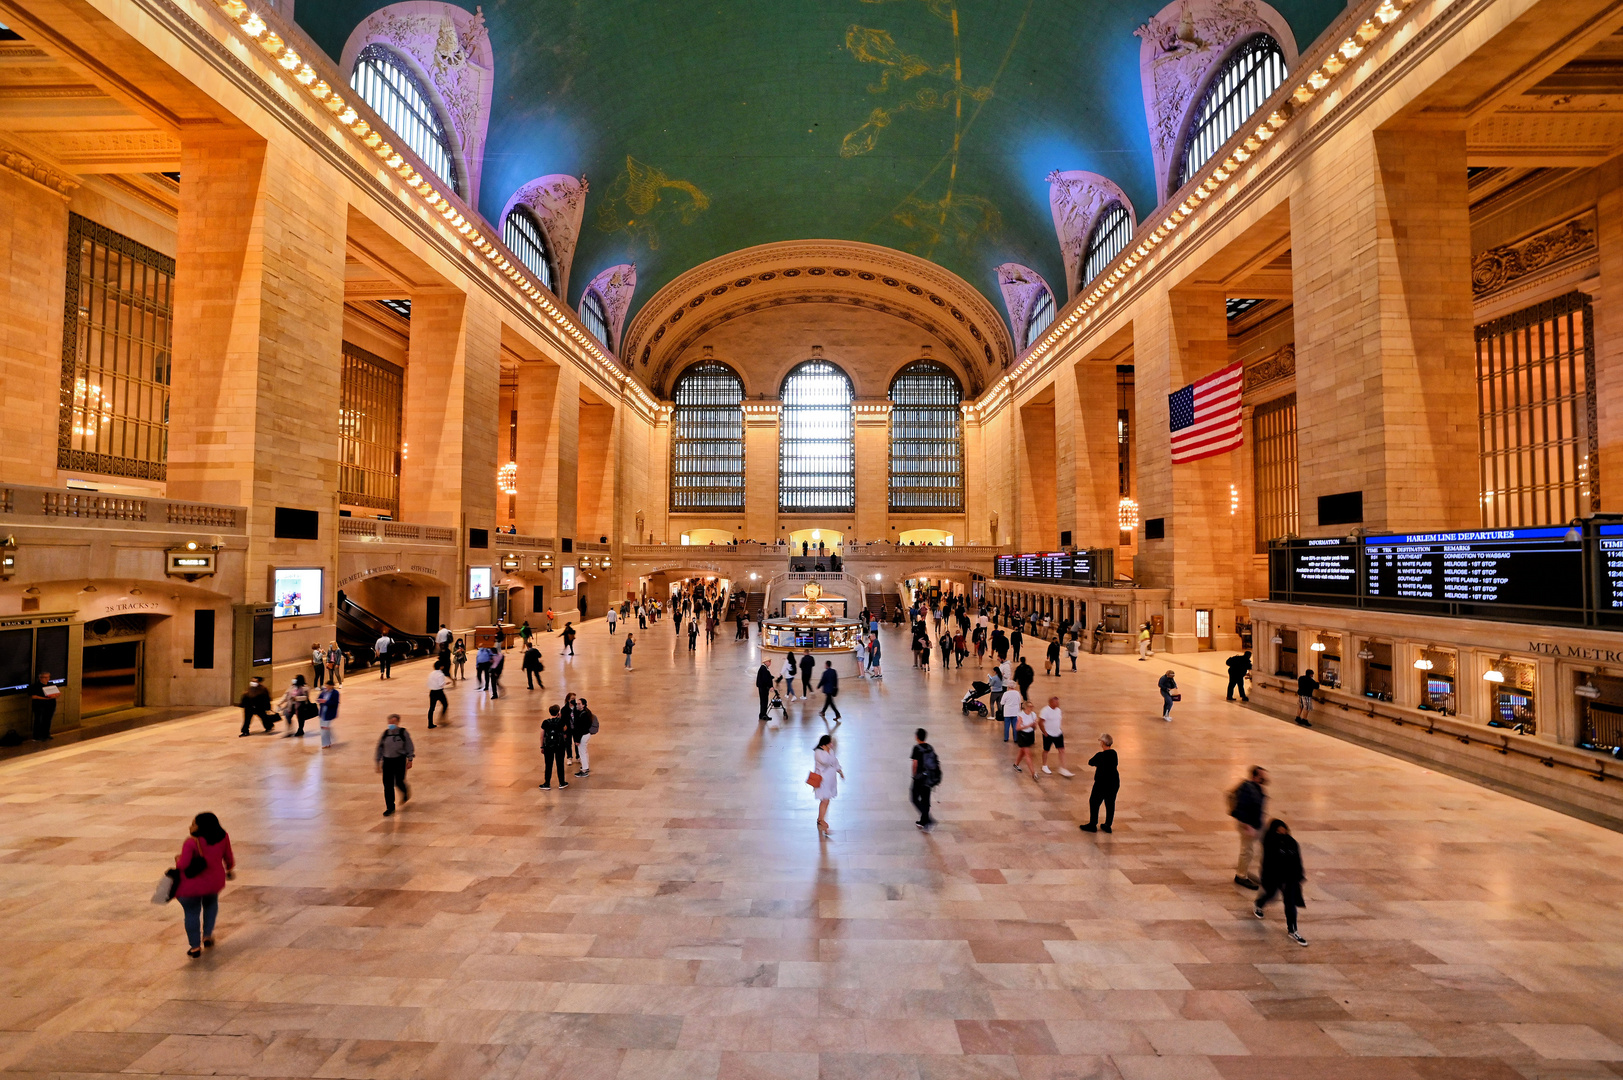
359,630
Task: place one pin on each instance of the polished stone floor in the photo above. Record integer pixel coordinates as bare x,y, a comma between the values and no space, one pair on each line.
676,914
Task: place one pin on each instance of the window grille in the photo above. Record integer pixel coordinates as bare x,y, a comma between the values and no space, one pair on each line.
1241,85
1042,317
525,237
1274,479
116,359
370,393
595,318
1538,443
1124,430
401,308
816,443
1108,239
1233,307
707,440
401,100
926,440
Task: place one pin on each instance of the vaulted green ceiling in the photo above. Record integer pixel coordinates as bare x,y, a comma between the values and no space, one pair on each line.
705,127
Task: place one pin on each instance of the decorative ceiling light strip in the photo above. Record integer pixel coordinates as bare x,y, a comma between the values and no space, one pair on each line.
253,27
1311,85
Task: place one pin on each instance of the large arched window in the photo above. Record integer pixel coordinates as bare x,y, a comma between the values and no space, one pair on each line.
1109,238
1041,318
1241,85
816,442
525,237
595,318
707,440
926,440
399,98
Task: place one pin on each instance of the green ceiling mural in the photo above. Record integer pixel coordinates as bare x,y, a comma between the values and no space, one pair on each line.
705,127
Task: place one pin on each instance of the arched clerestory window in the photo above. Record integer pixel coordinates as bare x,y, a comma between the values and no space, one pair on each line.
926,440
1041,318
707,440
524,237
595,318
1244,81
387,84
817,441
1109,238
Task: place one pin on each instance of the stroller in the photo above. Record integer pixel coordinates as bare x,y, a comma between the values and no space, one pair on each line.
972,701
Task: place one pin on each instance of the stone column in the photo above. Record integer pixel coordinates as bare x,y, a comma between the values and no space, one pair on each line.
594,490
33,267
873,472
1085,448
656,515
548,450
1385,371
453,386
259,296
761,471
1038,476
977,528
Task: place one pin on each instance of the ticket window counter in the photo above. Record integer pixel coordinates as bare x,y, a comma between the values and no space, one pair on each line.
1436,671
1600,719
1512,699
1115,617
1285,662
1327,662
1376,657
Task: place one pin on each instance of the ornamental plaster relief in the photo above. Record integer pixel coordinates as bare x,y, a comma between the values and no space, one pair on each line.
559,203
615,287
1076,199
1499,268
1182,46
451,49
1021,287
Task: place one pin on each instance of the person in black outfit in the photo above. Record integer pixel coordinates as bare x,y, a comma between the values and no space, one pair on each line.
1306,687
1000,644
693,635
1239,668
1282,873
807,666
1053,655
763,685
1015,637
394,756
1023,676
1106,782
1248,803
533,667
926,775
829,684
256,702
554,744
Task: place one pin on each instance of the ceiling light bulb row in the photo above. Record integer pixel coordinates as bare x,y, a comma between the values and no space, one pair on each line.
1315,81
252,26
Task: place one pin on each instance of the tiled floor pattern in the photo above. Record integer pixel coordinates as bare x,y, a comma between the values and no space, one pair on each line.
676,916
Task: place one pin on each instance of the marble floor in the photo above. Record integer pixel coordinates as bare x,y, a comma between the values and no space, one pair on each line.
676,914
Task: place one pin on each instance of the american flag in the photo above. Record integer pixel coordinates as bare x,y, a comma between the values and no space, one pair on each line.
1205,416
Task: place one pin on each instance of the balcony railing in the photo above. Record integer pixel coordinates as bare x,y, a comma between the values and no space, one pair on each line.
352,528
65,506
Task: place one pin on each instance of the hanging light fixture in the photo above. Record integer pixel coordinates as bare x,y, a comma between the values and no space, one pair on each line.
1493,675
1365,653
1422,664
1127,515
507,478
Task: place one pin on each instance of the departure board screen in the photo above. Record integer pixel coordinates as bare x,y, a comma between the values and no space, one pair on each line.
1535,568
1005,566
1324,568
1053,566
1609,568
1082,567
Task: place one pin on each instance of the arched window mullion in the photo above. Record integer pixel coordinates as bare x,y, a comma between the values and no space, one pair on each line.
707,440
1109,239
395,93
595,317
1041,318
816,442
524,237
1241,85
926,440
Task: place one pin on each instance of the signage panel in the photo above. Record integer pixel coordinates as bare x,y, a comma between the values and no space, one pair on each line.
1533,568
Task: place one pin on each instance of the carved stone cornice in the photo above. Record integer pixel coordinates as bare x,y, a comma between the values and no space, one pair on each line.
38,171
1499,268
1277,365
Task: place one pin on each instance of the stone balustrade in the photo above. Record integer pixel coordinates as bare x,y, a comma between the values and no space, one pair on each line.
70,507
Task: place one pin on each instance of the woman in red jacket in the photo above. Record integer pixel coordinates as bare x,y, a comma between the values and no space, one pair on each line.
205,864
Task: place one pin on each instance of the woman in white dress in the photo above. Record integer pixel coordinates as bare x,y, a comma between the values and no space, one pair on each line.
826,765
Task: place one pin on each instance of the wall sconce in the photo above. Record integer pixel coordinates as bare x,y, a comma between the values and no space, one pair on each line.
1586,689
1277,640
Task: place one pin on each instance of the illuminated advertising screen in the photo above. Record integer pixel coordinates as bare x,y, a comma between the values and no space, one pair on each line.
296,590
566,578
478,583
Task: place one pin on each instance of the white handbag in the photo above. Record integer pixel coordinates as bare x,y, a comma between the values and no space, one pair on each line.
167,884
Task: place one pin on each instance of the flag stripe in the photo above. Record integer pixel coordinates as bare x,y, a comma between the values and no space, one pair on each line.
1205,416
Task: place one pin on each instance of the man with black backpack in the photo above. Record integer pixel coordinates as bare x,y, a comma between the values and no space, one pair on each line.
926,775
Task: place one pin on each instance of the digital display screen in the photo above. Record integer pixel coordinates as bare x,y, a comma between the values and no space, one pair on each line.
1324,568
296,591
1514,567
478,583
1609,568
1049,566
1005,566
566,579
